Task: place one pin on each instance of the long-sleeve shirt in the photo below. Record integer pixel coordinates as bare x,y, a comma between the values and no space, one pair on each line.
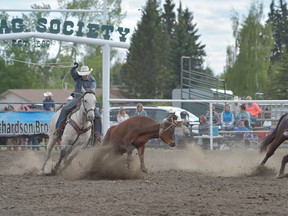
49,104
87,85
253,109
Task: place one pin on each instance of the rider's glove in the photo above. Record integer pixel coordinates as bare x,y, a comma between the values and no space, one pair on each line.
75,65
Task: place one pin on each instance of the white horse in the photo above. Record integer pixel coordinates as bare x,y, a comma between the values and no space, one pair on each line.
76,133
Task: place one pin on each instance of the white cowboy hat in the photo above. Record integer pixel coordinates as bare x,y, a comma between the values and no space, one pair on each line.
84,70
47,94
236,98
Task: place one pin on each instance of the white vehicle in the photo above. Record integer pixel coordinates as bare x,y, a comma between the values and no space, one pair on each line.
158,113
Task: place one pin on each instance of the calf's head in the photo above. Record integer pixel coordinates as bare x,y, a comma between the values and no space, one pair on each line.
167,128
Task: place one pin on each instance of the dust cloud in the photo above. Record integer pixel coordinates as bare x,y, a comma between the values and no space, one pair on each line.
28,163
236,162
89,163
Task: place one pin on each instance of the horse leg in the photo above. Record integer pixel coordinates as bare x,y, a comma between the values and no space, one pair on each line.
274,145
56,167
70,156
141,158
282,168
50,146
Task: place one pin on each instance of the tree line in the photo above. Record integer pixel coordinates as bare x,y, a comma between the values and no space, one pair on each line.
256,61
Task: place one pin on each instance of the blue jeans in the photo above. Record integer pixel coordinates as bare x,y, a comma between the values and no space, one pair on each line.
70,105
65,110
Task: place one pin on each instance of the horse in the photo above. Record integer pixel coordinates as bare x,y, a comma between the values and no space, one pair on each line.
271,142
136,132
76,133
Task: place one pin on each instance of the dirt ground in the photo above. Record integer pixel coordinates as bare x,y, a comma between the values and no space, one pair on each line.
178,182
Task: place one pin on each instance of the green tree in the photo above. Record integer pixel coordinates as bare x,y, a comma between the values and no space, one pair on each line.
249,74
277,87
146,68
278,18
186,43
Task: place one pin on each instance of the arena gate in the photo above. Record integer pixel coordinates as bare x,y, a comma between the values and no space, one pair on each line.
17,32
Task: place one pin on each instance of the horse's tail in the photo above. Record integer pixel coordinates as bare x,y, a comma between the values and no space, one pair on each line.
268,139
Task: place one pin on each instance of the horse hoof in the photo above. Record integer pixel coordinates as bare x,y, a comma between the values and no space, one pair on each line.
53,172
280,176
40,173
144,170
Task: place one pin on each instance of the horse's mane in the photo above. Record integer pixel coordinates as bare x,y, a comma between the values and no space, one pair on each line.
88,92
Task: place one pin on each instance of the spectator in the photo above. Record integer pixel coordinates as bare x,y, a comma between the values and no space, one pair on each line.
244,116
140,110
242,133
48,102
23,107
122,115
267,115
9,107
216,119
22,141
203,126
181,131
227,118
253,109
204,129
241,127
235,106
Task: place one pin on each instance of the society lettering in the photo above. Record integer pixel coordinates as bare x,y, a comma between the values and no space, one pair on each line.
54,26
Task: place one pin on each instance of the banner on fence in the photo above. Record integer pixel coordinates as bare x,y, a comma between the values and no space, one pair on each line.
15,124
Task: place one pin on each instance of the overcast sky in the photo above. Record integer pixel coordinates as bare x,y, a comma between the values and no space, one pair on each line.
212,18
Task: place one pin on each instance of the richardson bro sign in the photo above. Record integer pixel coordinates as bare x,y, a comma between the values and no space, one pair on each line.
13,124
54,26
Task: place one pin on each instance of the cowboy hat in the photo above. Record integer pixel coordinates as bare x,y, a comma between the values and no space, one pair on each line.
236,98
47,94
84,70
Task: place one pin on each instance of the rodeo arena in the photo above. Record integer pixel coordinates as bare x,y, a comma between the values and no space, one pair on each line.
222,170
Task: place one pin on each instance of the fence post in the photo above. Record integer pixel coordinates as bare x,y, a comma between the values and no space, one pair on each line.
211,124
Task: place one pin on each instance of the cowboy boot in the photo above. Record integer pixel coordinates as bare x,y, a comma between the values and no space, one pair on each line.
59,131
56,133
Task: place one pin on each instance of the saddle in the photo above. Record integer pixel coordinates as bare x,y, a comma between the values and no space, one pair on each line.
63,125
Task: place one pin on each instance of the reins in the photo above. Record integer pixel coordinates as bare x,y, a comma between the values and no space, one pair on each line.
77,128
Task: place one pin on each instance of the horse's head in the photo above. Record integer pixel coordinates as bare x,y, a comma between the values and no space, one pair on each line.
167,128
89,103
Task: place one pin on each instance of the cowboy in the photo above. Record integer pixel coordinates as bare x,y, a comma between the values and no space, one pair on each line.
48,102
84,82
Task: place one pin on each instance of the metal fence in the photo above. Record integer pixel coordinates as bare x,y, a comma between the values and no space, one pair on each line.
272,108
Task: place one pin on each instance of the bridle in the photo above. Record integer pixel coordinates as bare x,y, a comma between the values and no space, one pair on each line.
82,101
74,124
